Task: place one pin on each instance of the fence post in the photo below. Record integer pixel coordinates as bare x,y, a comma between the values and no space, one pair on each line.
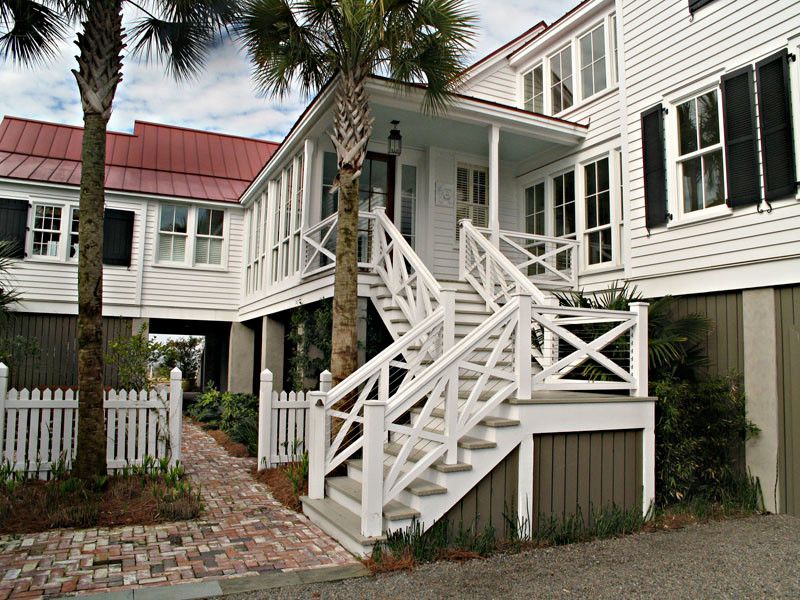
175,414
522,346
3,395
264,420
639,350
318,437
372,474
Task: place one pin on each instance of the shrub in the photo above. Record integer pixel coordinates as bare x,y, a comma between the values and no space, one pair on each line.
208,408
699,427
240,419
132,357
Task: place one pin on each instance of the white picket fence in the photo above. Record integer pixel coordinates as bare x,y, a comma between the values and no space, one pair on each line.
39,428
282,423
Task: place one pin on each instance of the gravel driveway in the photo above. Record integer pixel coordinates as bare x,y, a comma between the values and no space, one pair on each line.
757,557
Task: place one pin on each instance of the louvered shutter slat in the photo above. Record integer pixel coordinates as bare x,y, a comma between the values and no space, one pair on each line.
775,119
655,171
741,140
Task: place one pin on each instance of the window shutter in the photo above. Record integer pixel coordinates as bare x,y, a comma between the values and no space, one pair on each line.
775,119
695,5
14,224
741,139
655,170
117,237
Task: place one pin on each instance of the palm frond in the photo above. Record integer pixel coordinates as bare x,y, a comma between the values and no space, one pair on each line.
30,31
181,33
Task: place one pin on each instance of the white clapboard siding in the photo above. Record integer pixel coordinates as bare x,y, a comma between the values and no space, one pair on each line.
40,428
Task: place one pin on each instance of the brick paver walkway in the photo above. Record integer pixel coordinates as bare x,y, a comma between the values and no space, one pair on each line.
243,531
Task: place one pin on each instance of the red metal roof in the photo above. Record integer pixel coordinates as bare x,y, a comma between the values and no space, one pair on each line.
155,159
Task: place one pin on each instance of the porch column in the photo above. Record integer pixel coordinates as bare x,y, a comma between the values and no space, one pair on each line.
273,338
308,166
494,184
240,359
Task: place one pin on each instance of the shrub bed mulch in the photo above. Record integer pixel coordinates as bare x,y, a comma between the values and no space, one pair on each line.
33,506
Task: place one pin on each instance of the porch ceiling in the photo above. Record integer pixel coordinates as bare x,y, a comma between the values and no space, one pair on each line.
464,135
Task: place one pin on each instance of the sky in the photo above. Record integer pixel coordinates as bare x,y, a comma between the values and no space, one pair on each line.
223,98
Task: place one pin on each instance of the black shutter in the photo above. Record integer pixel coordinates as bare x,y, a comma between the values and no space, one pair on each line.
741,139
697,4
655,169
775,118
14,224
117,237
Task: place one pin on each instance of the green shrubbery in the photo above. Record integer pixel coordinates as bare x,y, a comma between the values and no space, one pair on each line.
699,428
235,414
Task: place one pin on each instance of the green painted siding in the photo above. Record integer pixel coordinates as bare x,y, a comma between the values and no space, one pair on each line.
491,501
788,313
584,472
56,364
725,343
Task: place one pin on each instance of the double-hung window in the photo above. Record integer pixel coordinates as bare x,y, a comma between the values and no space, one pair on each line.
533,89
593,61
700,157
172,233
46,230
472,195
208,245
597,232
561,84
535,222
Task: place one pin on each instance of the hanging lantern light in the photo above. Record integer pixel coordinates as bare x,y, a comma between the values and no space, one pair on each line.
395,140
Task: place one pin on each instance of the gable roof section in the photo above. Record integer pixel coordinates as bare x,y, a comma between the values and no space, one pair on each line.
156,159
503,51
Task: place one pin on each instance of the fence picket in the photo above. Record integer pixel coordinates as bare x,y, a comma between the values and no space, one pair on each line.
11,431
44,440
111,427
22,434
120,451
142,431
290,429
68,430
55,448
274,444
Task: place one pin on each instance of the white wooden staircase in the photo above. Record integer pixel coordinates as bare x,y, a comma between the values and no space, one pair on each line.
416,428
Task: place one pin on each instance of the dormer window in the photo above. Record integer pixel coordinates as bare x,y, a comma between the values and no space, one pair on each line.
533,89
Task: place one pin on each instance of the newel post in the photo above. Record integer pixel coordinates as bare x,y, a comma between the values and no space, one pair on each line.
522,346
372,474
175,414
451,399
639,350
264,419
318,438
462,250
3,395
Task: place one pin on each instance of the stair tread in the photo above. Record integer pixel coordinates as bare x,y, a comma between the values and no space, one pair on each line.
418,487
488,421
393,449
393,510
344,519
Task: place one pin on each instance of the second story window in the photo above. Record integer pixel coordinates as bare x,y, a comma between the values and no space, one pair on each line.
72,252
593,61
208,245
561,82
700,162
46,230
172,233
533,89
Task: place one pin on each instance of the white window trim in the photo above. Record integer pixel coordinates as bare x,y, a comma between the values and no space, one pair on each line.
61,256
68,240
521,86
580,226
674,189
225,232
463,162
572,45
191,236
579,67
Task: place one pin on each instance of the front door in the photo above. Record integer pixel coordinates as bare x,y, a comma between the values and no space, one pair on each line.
376,188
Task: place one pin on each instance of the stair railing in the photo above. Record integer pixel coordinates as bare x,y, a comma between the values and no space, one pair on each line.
578,349
412,286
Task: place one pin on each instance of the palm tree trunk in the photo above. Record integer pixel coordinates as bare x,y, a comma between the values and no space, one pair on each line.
100,65
352,129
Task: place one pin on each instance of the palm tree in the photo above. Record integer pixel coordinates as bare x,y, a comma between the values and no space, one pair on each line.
176,31
311,43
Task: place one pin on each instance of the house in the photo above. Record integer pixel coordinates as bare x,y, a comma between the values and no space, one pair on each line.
649,142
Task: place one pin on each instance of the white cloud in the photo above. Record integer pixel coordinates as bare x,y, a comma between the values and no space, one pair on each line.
223,98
